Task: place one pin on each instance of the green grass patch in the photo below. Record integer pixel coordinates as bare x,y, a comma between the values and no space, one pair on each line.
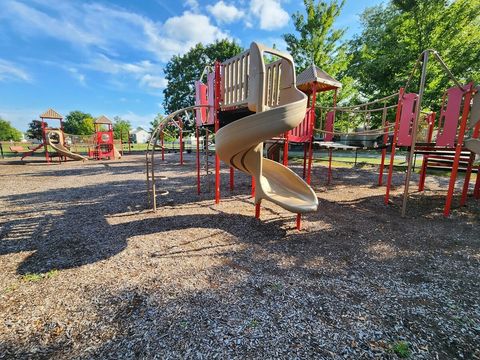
34,277
401,349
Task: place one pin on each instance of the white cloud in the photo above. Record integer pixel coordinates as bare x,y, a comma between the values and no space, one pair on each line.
9,71
225,13
147,73
270,13
93,26
156,82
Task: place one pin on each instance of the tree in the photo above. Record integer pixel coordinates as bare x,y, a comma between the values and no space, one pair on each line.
394,35
79,123
8,132
182,71
320,43
121,128
35,130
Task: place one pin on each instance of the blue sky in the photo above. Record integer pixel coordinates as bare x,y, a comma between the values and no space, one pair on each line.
107,57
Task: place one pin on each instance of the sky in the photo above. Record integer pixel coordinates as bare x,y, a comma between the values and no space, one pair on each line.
107,57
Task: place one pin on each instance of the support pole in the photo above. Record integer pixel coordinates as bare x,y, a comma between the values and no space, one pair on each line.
217,126
198,159
418,108
232,178
285,150
305,146
257,210
299,221
253,187
181,142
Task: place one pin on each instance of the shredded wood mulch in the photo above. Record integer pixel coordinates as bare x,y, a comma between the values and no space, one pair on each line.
87,270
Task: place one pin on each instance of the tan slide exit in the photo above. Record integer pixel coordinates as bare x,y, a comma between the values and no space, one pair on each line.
240,144
55,140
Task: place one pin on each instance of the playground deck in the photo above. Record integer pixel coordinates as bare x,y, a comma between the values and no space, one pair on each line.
87,271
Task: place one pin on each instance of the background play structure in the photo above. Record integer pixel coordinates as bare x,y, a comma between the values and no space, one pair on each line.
248,101
56,143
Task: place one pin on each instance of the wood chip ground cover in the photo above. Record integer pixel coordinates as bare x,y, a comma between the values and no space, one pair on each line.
88,271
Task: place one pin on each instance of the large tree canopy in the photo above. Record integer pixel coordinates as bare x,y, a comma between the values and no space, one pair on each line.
79,123
394,35
182,71
8,132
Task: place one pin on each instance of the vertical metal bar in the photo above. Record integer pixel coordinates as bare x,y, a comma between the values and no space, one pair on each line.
257,210
299,221
217,126
356,155
305,146
418,107
181,141
285,150
198,158
232,178
253,187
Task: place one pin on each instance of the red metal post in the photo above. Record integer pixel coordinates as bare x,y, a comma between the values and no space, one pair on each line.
217,126
253,187
394,144
299,221
458,150
257,210
384,154
285,150
232,178
198,159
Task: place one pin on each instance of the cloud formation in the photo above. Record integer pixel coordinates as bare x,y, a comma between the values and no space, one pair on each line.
224,13
270,14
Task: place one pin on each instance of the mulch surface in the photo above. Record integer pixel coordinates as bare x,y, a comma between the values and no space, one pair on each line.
89,271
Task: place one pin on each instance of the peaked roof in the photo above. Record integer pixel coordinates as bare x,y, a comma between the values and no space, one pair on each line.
51,114
103,120
314,75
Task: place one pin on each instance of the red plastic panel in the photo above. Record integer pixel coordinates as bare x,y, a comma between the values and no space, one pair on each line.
329,125
407,118
449,117
201,99
303,132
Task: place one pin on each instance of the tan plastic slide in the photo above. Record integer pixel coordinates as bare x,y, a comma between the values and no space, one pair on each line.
55,140
240,144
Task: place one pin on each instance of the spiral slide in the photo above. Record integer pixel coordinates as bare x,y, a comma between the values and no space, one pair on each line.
240,144
55,140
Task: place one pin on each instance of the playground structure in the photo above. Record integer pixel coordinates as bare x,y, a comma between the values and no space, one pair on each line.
246,102
240,92
98,146
53,137
103,140
459,116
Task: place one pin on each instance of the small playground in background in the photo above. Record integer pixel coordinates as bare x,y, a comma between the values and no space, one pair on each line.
252,224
